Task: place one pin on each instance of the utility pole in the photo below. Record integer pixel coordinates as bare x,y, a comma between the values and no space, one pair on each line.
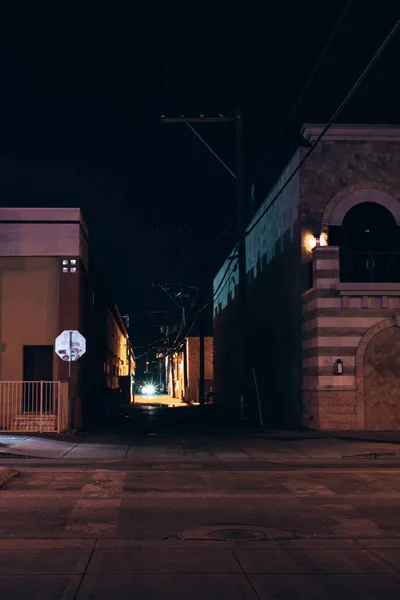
241,236
201,327
181,305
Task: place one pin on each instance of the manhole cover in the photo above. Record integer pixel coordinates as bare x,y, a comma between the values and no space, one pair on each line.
236,534
232,532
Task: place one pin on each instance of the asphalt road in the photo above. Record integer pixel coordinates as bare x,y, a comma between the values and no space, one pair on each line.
155,505
187,532
203,518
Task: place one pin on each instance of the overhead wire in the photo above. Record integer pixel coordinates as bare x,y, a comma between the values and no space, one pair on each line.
307,83
191,326
219,289
148,344
183,324
217,295
330,122
299,99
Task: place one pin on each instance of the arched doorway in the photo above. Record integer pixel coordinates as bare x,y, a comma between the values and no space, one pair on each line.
382,381
369,243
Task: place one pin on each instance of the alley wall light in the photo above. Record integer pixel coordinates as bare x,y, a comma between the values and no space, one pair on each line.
309,242
312,241
338,367
323,239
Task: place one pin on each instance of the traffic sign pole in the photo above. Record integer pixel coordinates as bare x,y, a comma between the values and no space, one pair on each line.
69,380
70,345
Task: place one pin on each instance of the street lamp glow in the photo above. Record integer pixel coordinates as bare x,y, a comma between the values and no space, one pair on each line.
149,389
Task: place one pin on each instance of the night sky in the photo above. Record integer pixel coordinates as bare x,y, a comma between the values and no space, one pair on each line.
82,91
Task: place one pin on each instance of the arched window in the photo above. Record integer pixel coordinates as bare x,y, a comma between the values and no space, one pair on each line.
366,227
369,244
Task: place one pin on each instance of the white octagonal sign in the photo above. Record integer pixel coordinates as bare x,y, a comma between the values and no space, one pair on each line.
70,345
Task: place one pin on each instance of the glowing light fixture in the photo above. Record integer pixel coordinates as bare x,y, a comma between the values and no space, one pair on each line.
311,241
149,389
323,239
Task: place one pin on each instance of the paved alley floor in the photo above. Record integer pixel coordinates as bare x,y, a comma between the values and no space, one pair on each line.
159,400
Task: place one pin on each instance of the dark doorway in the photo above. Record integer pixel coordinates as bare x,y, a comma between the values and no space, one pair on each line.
38,363
38,367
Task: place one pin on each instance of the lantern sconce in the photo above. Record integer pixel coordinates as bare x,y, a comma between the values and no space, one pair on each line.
317,241
338,367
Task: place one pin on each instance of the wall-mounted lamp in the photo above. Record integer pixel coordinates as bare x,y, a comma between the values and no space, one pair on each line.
310,241
323,238
338,367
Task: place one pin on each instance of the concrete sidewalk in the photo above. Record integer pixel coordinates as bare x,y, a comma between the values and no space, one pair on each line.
278,446
108,568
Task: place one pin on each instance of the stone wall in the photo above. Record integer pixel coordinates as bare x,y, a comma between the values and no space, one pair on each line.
341,167
339,320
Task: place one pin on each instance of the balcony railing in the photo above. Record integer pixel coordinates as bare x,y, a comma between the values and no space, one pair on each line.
370,267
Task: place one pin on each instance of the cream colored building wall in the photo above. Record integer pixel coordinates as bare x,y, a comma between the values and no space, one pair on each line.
43,232
118,364
28,310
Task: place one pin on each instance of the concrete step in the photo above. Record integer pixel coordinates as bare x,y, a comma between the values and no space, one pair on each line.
33,422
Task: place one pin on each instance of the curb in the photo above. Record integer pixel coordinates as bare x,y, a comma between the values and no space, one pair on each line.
6,473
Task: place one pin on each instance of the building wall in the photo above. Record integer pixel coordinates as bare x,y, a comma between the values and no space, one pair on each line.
193,361
192,357
273,350
29,292
117,363
293,355
107,354
176,388
339,318
344,166
45,288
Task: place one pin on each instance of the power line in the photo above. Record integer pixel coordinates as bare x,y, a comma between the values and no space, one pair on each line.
304,89
175,342
191,327
147,345
226,273
331,120
218,293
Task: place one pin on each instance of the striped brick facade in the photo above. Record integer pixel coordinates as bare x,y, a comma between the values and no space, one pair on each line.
338,321
301,320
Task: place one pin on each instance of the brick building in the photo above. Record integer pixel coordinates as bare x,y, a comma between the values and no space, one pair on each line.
183,369
47,286
323,272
